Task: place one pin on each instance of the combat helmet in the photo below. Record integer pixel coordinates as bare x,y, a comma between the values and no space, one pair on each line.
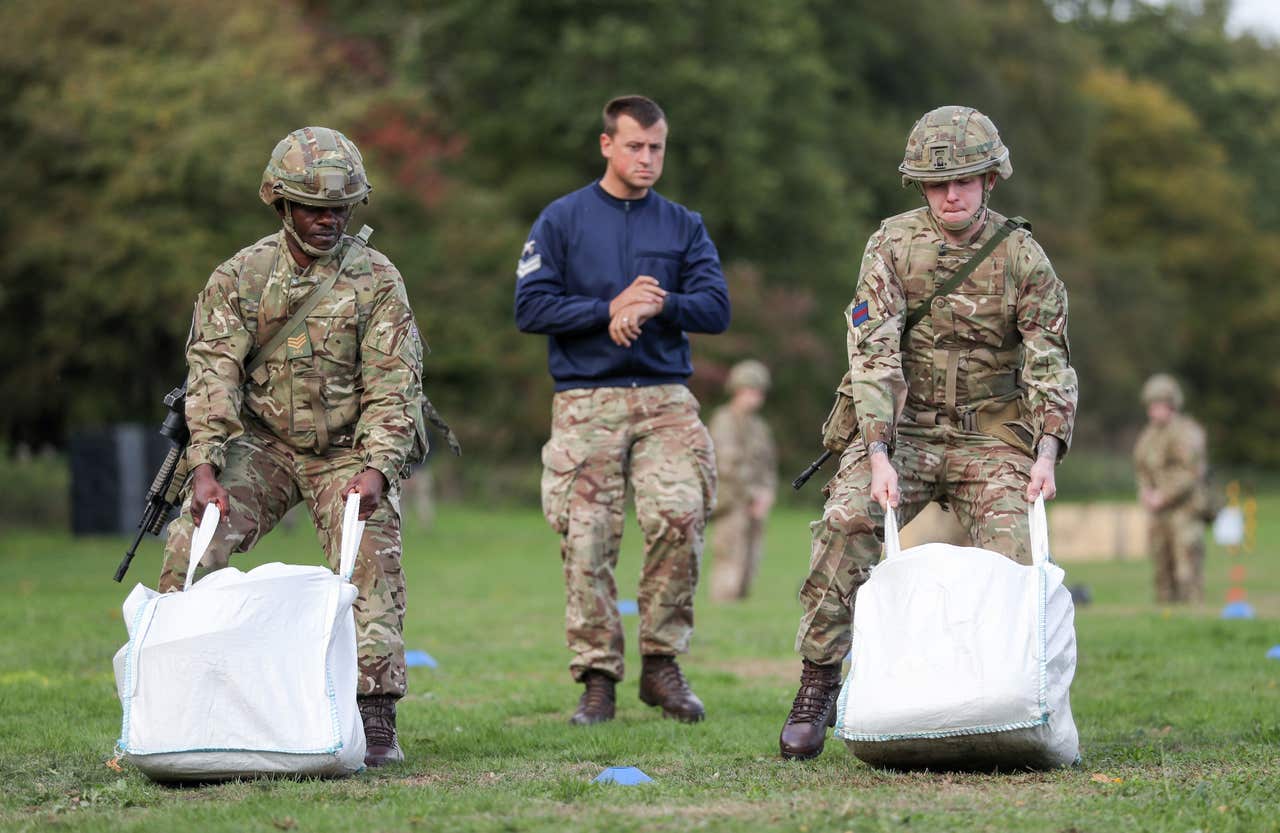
1162,388
748,374
314,166
950,143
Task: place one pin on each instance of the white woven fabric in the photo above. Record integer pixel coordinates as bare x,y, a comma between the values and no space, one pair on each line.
962,659
244,674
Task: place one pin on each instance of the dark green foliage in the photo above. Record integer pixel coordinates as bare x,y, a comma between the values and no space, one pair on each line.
135,136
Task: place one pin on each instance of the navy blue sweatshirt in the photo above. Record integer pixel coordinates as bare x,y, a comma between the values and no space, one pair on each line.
588,246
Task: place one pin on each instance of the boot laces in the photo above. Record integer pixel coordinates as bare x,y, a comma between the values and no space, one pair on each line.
599,693
668,677
818,687
379,722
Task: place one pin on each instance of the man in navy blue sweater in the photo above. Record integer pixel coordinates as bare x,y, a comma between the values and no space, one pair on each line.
615,275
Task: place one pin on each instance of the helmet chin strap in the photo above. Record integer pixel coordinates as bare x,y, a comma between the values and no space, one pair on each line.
968,222
304,245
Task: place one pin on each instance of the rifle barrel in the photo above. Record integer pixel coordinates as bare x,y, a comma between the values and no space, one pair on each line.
799,482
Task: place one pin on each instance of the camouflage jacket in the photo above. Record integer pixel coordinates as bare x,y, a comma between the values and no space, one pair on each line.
360,357
1000,336
1171,460
746,459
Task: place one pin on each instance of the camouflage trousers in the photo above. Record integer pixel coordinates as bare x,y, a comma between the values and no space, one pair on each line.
265,478
601,439
1176,540
984,480
737,543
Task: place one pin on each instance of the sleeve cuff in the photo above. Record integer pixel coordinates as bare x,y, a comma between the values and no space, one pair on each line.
670,308
385,465
875,431
214,455
602,313
1058,429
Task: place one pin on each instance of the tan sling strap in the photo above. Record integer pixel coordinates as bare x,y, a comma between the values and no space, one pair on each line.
256,369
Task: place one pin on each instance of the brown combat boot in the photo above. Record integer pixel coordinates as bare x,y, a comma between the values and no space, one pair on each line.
814,710
598,702
378,711
662,684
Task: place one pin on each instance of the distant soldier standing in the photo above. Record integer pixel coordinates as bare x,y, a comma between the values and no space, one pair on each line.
959,388
334,407
615,275
747,463
1171,464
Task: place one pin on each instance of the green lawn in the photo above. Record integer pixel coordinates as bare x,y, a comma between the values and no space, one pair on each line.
1179,713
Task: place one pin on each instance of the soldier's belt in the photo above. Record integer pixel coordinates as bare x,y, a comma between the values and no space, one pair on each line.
968,421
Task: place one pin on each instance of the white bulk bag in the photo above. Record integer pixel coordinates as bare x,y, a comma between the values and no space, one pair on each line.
244,674
962,659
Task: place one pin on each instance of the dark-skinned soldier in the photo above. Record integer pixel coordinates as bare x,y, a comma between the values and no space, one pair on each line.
336,409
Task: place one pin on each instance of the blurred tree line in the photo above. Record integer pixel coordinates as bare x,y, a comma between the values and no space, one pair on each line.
1143,139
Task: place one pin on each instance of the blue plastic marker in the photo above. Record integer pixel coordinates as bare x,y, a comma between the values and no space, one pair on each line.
419,659
627,776
1238,610
1274,653
628,607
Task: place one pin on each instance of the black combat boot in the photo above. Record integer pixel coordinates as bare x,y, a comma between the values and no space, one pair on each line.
813,711
598,702
662,684
378,711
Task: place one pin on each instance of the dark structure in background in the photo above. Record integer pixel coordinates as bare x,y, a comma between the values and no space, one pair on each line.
111,469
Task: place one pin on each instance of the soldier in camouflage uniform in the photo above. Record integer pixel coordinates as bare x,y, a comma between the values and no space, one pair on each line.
336,409
747,464
615,275
1171,464
974,404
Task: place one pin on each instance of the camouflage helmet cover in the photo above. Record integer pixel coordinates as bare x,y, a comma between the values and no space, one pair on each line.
748,374
953,142
1162,388
315,166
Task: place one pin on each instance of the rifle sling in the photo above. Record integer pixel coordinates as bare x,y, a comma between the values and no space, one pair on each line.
256,366
1006,228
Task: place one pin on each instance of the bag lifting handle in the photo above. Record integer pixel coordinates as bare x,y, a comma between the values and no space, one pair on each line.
352,531
200,540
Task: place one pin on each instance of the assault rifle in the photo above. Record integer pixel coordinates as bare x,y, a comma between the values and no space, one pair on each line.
162,497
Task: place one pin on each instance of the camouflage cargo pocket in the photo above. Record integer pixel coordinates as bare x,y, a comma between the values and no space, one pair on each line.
704,463
1008,422
559,473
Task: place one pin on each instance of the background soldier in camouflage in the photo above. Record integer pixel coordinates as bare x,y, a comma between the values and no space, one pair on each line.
337,409
747,464
615,275
951,408
1171,465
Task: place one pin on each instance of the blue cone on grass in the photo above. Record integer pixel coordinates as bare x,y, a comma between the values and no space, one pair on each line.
1238,610
627,776
415,659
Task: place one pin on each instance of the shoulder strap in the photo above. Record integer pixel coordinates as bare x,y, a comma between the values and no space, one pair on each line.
295,320
1006,228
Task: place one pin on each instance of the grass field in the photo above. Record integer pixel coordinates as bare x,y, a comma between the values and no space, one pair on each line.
1179,712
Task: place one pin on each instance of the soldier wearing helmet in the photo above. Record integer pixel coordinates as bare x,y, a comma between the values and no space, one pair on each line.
282,413
959,390
1171,463
747,466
